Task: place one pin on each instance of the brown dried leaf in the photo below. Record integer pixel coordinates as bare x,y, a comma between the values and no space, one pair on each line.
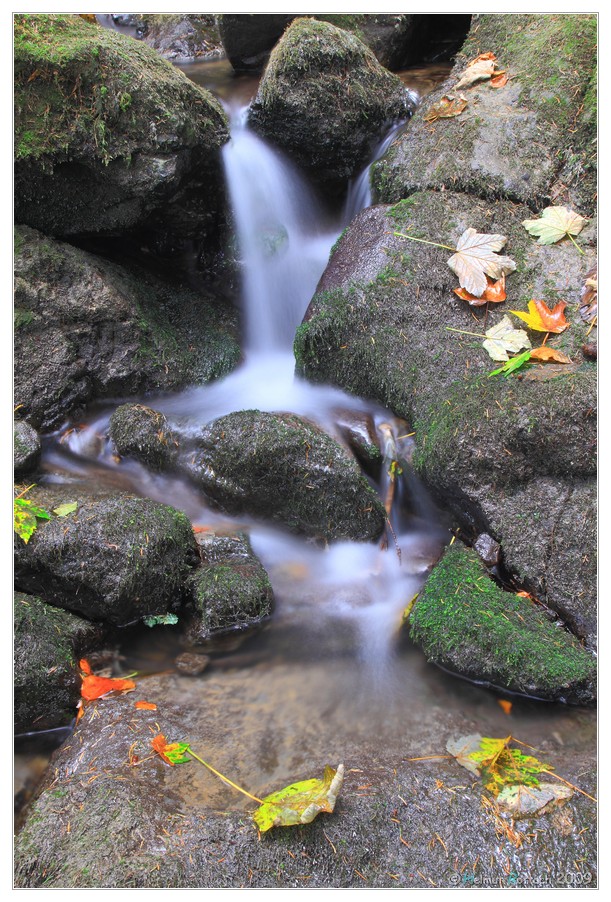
545,354
476,256
446,108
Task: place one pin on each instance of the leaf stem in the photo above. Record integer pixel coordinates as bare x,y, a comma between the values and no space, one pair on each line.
464,332
566,782
576,245
224,779
424,241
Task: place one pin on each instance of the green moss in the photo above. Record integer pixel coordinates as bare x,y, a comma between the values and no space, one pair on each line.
22,317
466,622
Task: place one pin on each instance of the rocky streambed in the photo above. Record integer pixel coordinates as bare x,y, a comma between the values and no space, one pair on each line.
252,559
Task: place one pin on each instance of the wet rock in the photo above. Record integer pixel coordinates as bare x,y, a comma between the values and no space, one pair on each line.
229,591
494,148
248,39
381,326
181,38
26,448
48,644
164,821
144,434
116,560
488,550
135,140
190,664
317,66
283,468
96,329
465,623
358,431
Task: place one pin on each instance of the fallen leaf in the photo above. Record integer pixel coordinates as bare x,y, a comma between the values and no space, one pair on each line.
446,108
476,256
146,706
494,293
496,763
161,620
512,365
505,705
488,55
64,509
588,308
173,752
479,69
542,319
545,353
95,686
525,801
499,80
503,338
554,224
300,803
26,516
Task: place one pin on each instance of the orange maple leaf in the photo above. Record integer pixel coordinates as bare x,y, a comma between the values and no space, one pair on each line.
544,353
499,80
505,705
95,686
146,706
495,292
172,752
542,319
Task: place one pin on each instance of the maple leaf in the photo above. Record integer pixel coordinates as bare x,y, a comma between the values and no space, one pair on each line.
446,108
589,296
496,763
499,80
542,319
545,354
479,69
145,706
503,338
476,256
554,224
171,752
64,509
495,293
300,803
94,686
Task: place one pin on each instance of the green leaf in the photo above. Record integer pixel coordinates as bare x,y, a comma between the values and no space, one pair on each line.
178,752
554,224
26,516
512,365
161,619
300,803
67,508
496,763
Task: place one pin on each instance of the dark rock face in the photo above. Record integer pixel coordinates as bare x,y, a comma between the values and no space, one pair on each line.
144,434
315,67
87,328
468,625
229,591
47,646
108,134
26,448
283,468
115,560
248,39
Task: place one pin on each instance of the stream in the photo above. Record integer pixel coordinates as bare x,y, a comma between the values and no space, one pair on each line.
332,668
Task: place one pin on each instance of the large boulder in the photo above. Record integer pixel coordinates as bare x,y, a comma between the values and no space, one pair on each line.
282,468
86,328
325,100
248,39
467,624
144,434
26,448
532,141
109,137
116,560
511,456
48,644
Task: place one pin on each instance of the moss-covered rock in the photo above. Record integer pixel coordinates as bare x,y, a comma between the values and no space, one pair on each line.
97,329
467,624
325,100
116,560
283,468
48,643
533,141
26,448
142,433
229,591
107,133
385,324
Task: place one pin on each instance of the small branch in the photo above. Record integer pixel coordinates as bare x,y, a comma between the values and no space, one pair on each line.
571,785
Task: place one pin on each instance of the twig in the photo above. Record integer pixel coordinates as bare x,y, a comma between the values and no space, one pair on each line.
224,779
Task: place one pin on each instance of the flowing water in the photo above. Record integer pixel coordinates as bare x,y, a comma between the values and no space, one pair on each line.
333,650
